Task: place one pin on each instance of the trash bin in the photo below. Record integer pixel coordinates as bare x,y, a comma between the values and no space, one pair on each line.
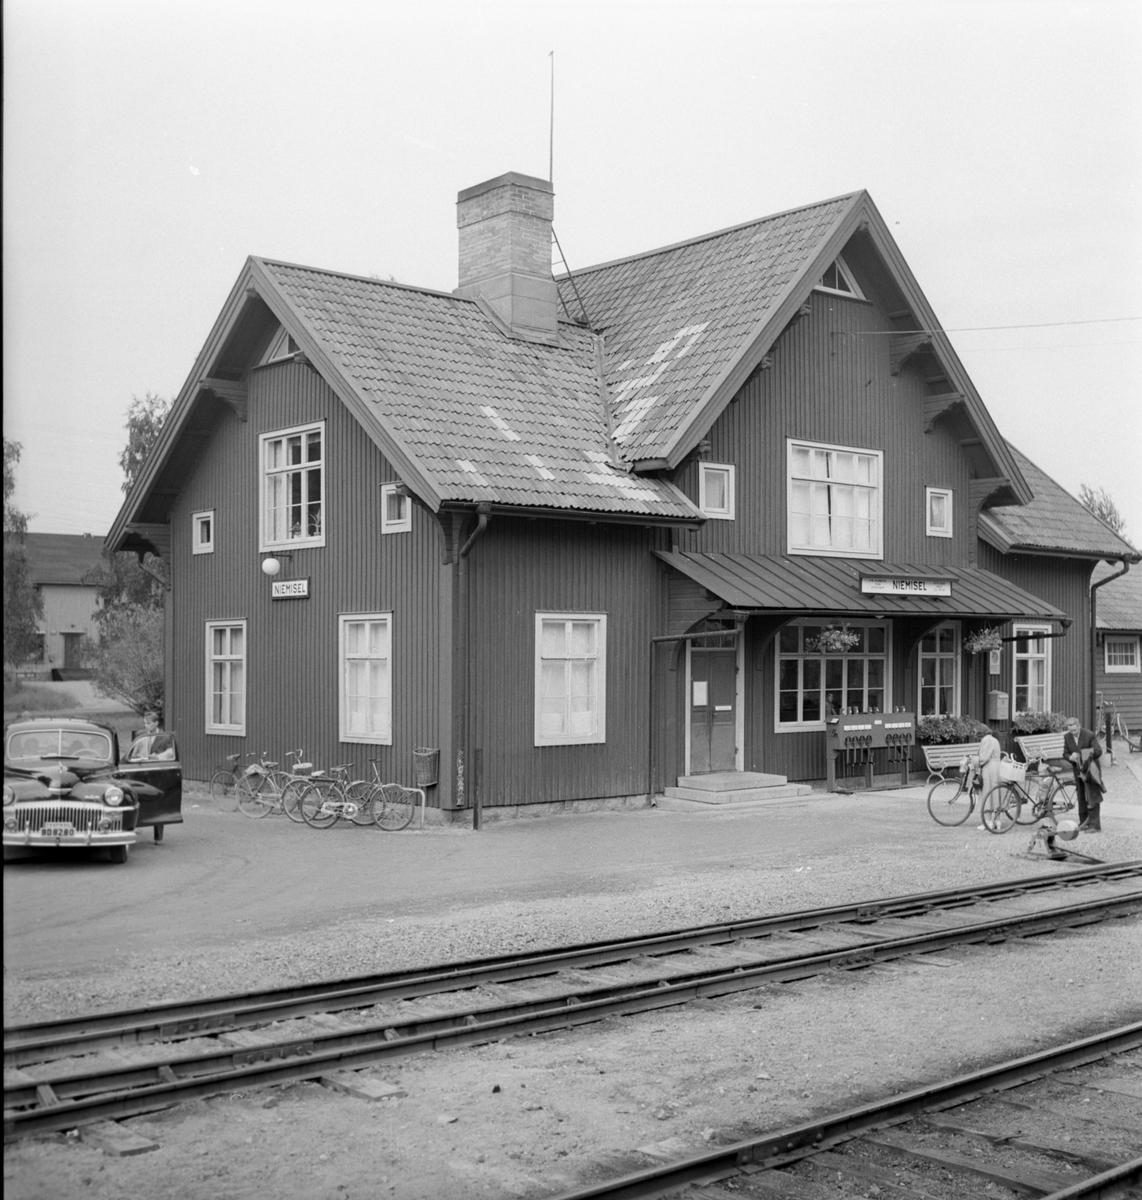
426,766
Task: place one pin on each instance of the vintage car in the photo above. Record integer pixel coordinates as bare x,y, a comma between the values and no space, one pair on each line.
66,787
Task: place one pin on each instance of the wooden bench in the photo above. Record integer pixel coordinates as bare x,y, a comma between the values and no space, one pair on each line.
940,758
1041,745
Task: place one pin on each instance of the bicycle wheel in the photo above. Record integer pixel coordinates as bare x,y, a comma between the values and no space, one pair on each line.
361,795
1034,810
291,798
223,790
1001,807
951,801
1065,799
392,807
319,804
256,797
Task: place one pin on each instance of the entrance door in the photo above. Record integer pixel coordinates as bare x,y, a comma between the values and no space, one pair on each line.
713,710
71,656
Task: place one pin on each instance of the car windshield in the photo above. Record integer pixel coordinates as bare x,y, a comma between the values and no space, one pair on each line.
81,744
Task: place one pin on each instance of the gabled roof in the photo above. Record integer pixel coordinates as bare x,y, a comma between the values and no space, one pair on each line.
468,414
1119,605
1054,522
62,558
686,325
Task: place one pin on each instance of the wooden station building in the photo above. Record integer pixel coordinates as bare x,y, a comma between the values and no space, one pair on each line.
582,534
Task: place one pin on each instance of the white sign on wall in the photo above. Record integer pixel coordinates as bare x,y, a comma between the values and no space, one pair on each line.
901,585
290,589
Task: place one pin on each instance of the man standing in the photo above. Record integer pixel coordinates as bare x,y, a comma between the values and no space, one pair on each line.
1082,751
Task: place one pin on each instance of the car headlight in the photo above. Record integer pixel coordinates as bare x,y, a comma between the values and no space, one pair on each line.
113,795
9,795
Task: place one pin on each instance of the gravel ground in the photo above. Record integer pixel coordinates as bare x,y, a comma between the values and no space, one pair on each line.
533,1116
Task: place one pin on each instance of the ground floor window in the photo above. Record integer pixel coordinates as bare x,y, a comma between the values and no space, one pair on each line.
226,677
813,686
1032,668
1122,655
366,678
570,678
940,672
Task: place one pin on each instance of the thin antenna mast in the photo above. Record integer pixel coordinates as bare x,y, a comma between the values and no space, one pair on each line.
551,130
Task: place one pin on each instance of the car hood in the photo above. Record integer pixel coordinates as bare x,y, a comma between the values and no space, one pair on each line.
59,776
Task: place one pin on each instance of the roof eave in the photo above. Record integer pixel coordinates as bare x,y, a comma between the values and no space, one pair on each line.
996,537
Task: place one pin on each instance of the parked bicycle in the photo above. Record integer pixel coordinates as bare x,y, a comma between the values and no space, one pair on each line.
953,799
391,804
325,801
224,783
258,791
1032,798
292,783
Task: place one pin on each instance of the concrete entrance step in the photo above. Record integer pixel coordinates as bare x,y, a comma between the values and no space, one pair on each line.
736,788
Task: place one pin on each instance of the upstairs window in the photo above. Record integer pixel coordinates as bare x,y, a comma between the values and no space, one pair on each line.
293,487
839,280
396,509
202,532
716,491
938,505
283,346
835,501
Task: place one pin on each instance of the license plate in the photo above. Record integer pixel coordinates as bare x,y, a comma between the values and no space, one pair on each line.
59,829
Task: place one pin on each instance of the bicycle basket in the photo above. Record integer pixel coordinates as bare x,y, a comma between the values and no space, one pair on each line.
1012,772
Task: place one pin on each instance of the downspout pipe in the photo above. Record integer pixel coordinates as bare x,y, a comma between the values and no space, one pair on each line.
1094,634
463,691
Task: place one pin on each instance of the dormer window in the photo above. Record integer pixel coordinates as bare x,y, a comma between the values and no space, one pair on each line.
283,346
838,279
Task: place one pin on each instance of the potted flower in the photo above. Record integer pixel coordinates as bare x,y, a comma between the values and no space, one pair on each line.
833,639
982,641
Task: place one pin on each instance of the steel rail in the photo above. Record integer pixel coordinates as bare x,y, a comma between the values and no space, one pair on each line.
74,1099
25,1044
802,1141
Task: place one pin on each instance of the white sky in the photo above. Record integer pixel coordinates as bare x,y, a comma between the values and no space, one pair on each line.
150,147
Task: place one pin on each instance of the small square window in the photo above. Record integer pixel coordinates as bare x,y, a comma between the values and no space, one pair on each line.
716,490
1122,656
938,502
202,532
396,509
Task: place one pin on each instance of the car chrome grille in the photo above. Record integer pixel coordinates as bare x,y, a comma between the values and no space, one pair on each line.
85,818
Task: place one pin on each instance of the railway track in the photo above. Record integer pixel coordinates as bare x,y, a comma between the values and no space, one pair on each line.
62,1074
1062,1124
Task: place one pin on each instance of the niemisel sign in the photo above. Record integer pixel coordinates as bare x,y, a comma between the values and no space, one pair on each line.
290,589
904,585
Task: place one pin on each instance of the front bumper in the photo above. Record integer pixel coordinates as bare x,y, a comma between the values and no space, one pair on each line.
67,824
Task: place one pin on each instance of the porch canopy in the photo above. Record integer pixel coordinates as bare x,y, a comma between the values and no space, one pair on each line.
856,587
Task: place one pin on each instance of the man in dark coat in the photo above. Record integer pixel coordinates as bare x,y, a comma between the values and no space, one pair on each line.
1082,751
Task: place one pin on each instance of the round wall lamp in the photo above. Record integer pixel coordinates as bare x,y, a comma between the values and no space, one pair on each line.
271,566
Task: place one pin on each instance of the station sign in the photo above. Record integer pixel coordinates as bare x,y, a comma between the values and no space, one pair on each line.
904,585
290,589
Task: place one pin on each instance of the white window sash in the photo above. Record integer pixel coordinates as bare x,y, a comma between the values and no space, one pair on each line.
365,668
707,472
570,678
199,544
226,678
401,524
1031,670
935,500
834,500
289,515
1121,656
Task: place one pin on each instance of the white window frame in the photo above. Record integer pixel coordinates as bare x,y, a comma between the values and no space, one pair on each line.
234,728
1030,631
939,656
1130,641
932,529
199,544
402,524
779,656
705,470
374,737
847,275
876,505
599,733
266,473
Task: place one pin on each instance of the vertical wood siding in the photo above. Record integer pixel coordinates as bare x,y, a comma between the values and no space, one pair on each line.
519,568
292,654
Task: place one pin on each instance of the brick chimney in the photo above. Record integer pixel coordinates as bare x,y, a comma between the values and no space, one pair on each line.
505,252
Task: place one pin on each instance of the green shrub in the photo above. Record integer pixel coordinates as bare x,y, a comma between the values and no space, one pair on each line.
1038,722
935,731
